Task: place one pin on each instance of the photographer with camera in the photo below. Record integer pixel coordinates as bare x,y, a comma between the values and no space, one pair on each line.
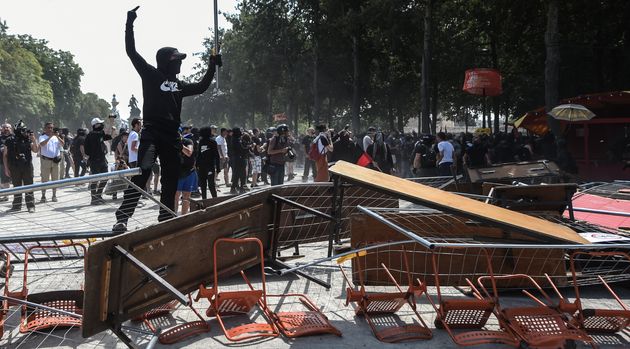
17,157
241,143
50,145
163,94
5,182
277,150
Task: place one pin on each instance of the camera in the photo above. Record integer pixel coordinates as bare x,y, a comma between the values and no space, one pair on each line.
290,153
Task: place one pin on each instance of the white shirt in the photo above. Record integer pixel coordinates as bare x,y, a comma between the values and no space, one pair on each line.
133,136
367,140
223,145
52,149
446,149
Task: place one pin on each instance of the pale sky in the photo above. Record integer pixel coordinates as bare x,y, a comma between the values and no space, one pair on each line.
94,32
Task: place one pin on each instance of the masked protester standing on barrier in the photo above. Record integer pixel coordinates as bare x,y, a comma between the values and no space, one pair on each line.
96,151
163,94
277,150
18,164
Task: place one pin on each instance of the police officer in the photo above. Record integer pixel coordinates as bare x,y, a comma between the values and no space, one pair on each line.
95,151
18,164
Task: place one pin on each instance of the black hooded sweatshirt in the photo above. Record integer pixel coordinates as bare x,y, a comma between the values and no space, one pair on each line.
161,90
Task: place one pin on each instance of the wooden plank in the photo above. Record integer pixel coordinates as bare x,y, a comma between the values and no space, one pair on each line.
453,203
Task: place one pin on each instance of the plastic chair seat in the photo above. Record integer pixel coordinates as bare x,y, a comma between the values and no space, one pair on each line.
403,333
183,331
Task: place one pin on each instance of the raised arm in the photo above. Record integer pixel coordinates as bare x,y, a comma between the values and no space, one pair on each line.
130,43
201,86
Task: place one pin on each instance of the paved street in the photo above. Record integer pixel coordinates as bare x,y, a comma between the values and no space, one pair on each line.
73,213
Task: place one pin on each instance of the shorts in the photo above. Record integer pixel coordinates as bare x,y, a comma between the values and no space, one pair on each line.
155,169
257,164
189,183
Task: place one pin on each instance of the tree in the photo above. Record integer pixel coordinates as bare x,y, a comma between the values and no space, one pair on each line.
25,93
90,105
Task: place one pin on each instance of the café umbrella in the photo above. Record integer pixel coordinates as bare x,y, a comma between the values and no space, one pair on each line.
571,113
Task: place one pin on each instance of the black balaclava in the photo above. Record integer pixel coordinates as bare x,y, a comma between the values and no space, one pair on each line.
169,61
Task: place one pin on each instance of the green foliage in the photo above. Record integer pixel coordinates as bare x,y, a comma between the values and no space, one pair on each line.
89,106
25,93
275,48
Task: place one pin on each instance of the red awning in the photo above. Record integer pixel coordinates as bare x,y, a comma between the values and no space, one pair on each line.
483,82
596,202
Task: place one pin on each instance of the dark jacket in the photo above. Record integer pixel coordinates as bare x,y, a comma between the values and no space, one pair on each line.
208,158
95,146
161,91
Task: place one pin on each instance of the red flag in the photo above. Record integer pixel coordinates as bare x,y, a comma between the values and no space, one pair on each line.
364,160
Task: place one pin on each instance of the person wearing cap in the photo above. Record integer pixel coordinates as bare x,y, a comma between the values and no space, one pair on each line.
276,150
162,93
50,145
17,157
96,151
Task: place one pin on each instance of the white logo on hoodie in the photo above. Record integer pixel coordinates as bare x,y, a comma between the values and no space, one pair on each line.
169,86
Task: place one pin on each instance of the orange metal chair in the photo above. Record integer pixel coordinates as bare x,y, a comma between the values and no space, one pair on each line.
66,300
5,302
468,314
377,307
540,326
235,303
593,320
302,323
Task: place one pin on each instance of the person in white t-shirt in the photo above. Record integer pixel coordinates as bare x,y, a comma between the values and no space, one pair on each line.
50,145
445,155
223,154
369,138
133,142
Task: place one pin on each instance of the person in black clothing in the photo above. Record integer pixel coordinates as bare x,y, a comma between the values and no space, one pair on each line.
95,151
345,149
425,157
18,163
309,164
163,94
381,154
208,162
77,156
476,155
240,155
5,182
67,156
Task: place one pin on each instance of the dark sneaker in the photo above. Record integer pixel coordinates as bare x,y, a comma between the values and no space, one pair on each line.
54,199
119,228
42,200
31,210
14,209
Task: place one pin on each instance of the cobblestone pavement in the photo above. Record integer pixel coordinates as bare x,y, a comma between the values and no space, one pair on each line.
73,212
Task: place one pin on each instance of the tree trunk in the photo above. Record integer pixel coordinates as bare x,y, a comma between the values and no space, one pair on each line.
356,123
552,65
425,122
316,102
495,100
434,106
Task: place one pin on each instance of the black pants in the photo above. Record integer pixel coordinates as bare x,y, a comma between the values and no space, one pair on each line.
444,169
308,166
206,181
239,173
96,188
153,144
22,175
79,166
276,171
